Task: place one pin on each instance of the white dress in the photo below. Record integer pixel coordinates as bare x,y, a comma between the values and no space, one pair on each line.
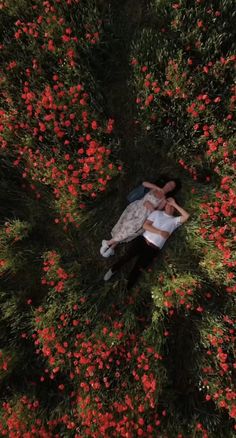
132,219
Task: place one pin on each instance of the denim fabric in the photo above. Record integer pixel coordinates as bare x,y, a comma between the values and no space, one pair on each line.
137,193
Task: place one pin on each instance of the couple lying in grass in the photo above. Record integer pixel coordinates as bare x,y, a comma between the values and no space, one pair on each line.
149,221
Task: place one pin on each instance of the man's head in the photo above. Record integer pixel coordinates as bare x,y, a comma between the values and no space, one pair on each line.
169,208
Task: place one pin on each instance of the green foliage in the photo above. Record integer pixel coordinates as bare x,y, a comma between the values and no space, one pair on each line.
217,366
212,264
13,259
79,358
176,292
175,65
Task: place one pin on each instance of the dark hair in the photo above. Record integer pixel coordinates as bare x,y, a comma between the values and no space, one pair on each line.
164,179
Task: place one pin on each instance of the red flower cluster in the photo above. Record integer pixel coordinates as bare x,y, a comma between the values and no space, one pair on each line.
5,359
21,420
60,139
54,276
102,364
218,369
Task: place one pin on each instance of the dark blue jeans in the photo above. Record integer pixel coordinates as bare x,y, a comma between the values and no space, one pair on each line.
145,254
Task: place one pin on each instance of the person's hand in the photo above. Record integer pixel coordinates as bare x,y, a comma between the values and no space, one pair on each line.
161,204
149,206
171,201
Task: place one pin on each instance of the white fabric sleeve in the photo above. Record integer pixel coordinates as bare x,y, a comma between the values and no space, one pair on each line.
152,216
178,221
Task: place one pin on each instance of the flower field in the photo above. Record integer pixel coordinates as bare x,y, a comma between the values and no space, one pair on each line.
80,358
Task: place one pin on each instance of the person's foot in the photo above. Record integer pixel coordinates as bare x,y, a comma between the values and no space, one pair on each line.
105,243
108,275
104,247
109,252
106,250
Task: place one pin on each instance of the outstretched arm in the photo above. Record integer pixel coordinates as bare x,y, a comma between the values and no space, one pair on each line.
147,226
184,214
151,186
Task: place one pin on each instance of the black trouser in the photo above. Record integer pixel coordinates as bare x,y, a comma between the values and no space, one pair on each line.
145,253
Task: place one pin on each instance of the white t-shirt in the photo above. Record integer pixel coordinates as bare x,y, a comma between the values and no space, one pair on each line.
164,222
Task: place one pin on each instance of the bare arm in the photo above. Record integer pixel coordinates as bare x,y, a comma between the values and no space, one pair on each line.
147,226
151,186
184,214
149,206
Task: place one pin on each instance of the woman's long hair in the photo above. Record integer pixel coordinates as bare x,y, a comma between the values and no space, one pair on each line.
163,179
